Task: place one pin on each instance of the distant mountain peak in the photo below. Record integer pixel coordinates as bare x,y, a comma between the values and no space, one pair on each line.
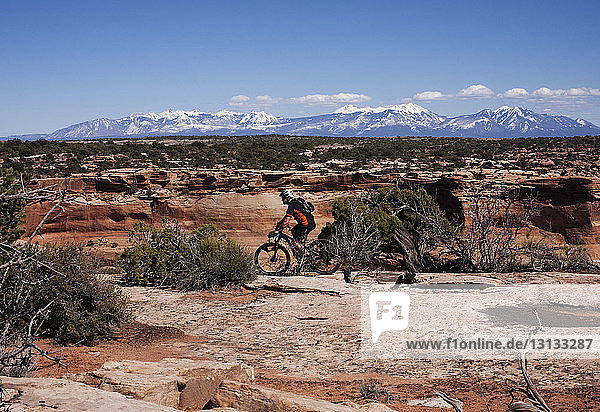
348,109
261,117
404,107
226,112
515,109
407,107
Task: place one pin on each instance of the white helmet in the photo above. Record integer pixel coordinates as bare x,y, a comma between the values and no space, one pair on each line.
287,194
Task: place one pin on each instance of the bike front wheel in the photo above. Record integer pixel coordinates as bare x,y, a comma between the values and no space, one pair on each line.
272,259
323,259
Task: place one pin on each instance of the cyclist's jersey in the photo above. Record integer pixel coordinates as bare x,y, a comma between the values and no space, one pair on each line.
296,210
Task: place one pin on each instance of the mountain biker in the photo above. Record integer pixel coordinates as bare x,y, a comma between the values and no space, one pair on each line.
301,211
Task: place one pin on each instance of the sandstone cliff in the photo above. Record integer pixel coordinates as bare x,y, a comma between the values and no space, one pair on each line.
245,203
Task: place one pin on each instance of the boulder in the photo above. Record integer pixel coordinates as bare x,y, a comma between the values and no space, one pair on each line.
254,398
179,383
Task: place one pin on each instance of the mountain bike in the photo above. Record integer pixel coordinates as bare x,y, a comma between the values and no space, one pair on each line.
273,257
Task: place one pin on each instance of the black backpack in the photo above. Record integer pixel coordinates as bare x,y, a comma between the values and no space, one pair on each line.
307,207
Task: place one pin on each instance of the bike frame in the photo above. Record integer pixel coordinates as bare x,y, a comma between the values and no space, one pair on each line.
288,239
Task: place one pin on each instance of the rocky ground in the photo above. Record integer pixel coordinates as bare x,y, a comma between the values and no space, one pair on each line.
301,335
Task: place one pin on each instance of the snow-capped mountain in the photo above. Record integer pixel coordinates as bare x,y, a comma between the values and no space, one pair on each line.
367,121
397,120
171,122
514,122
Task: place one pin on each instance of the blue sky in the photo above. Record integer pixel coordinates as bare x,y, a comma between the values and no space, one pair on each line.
66,62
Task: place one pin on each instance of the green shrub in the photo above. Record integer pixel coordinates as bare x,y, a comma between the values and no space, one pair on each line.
86,305
187,260
57,289
392,210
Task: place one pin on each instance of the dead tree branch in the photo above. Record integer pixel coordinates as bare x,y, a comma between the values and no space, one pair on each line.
533,401
355,242
455,403
19,328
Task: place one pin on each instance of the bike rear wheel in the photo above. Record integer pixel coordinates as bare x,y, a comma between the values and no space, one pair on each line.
323,259
272,259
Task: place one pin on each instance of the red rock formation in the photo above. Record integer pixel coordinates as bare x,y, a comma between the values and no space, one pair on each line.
570,206
245,203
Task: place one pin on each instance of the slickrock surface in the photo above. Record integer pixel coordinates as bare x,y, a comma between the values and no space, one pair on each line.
301,335
47,394
310,334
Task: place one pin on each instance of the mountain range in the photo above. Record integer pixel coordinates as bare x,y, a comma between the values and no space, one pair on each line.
398,120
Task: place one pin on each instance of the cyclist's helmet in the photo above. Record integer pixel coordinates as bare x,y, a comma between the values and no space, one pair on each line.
287,194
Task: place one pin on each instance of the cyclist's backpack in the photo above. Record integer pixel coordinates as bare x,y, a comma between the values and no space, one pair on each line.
307,207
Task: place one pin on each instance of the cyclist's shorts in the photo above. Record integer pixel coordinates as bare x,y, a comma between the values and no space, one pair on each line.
300,232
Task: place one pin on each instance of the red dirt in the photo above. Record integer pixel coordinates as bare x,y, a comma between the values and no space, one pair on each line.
135,341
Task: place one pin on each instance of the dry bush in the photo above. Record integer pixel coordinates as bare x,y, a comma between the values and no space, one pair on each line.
187,260
490,239
495,236
49,291
355,241
372,389
545,257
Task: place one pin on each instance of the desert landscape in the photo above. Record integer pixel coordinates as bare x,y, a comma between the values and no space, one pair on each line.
290,343
319,206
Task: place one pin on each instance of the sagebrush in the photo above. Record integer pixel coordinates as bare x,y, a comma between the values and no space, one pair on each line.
54,292
494,236
47,291
196,259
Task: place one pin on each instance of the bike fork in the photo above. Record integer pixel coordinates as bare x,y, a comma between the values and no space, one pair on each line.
274,257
